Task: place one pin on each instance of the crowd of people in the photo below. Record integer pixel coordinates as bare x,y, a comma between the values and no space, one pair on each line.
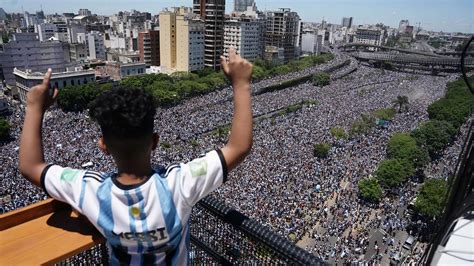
277,184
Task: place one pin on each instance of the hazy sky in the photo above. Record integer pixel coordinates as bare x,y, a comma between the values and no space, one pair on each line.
445,15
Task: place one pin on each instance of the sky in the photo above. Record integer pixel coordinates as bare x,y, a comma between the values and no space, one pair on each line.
438,15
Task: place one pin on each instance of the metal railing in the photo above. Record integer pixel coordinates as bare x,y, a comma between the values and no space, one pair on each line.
221,235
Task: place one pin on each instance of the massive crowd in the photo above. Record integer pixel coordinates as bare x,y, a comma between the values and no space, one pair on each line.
277,183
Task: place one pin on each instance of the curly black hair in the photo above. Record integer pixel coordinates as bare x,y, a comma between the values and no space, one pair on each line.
124,113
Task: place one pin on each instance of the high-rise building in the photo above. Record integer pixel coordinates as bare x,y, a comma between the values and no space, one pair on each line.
149,47
245,35
95,45
27,52
347,22
45,31
73,31
3,14
241,5
213,13
84,12
403,25
311,43
181,40
371,36
281,30
77,52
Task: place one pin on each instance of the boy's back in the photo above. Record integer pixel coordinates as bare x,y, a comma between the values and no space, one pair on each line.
143,212
144,222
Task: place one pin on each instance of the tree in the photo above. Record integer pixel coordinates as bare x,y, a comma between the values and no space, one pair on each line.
205,72
434,136
164,92
338,133
402,103
393,172
370,190
455,107
321,150
385,114
4,129
321,79
258,72
78,98
430,201
362,125
403,146
222,131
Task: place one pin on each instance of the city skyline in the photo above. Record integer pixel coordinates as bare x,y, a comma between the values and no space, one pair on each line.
437,15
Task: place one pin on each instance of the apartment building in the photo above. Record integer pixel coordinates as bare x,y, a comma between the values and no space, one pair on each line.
181,40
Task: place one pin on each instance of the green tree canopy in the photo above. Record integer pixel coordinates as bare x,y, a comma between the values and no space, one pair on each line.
321,79
78,98
321,150
385,114
338,133
362,125
455,107
171,89
403,146
434,136
431,198
401,102
4,129
370,190
258,72
393,172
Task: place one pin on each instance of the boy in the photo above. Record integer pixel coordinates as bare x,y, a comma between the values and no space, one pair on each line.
143,213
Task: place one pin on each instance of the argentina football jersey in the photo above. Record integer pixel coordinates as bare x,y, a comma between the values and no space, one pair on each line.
144,223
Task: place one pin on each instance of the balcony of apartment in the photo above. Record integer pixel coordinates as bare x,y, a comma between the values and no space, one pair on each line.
50,232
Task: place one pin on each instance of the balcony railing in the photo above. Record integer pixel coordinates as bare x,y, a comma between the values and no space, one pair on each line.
49,232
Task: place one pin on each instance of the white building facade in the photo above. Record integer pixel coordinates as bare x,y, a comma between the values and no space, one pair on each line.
95,45
311,43
369,36
25,51
245,35
25,80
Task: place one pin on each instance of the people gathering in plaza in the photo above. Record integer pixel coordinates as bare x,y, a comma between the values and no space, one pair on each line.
277,184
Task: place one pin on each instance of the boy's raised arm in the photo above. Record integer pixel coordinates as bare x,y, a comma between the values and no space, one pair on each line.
31,163
240,141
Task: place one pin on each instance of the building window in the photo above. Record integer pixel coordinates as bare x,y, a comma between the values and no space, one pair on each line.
72,82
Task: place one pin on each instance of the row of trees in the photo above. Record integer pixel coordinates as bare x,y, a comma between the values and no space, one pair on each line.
321,79
172,89
366,122
4,129
263,69
408,153
167,89
447,115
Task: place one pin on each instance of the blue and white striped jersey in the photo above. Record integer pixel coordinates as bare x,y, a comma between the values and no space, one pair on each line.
145,223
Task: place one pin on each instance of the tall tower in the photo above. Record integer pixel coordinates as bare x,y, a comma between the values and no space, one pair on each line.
241,5
212,12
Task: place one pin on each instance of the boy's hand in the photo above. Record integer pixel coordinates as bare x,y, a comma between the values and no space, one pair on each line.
39,96
237,69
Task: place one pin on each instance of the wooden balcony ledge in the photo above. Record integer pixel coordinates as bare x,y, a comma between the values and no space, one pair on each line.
44,233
